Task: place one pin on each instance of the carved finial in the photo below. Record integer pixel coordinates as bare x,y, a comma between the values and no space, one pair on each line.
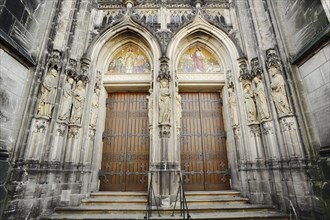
255,67
244,72
54,61
71,68
84,69
164,72
272,59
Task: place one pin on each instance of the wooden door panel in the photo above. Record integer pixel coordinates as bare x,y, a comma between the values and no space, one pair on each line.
191,144
208,157
125,159
138,144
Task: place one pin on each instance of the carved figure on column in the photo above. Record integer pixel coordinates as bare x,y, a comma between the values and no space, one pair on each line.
150,106
260,97
279,93
95,106
48,94
178,109
233,107
249,102
78,103
66,102
164,102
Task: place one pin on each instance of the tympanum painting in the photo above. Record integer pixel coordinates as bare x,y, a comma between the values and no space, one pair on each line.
129,59
198,59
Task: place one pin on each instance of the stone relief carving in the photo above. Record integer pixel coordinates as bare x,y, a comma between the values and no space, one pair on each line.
150,107
233,107
278,93
164,102
78,103
95,106
66,103
48,94
178,109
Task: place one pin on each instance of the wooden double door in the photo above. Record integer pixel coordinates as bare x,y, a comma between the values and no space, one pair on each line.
203,143
125,157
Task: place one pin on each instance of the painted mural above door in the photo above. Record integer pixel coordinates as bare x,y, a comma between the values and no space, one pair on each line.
198,59
129,59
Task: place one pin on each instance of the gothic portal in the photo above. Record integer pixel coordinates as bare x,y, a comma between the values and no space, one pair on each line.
107,95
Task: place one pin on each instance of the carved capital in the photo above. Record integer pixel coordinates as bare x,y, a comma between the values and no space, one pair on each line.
254,130
165,131
91,134
287,124
40,125
74,132
60,130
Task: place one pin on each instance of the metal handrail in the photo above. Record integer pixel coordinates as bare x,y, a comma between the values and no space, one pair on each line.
151,193
293,213
184,211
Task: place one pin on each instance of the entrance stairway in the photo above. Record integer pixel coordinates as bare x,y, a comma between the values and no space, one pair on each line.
201,204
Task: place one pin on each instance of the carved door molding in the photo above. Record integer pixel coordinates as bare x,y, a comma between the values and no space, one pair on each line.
125,157
203,143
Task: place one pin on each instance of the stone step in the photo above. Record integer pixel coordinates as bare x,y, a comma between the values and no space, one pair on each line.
201,204
119,194
258,215
223,193
123,200
196,208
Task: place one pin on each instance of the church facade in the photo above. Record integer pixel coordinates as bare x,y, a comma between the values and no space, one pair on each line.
116,95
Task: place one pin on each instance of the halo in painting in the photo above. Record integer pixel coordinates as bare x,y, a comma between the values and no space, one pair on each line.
197,59
129,59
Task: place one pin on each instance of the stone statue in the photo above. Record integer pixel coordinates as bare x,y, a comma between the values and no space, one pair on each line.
164,102
95,106
279,93
150,106
66,103
249,102
260,97
48,94
233,107
178,109
78,103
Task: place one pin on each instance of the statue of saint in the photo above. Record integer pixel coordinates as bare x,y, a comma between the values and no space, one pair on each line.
95,106
66,103
249,102
164,102
78,103
178,109
150,106
48,94
260,97
279,93
233,107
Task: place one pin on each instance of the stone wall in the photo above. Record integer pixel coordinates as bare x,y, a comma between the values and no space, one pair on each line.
15,81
